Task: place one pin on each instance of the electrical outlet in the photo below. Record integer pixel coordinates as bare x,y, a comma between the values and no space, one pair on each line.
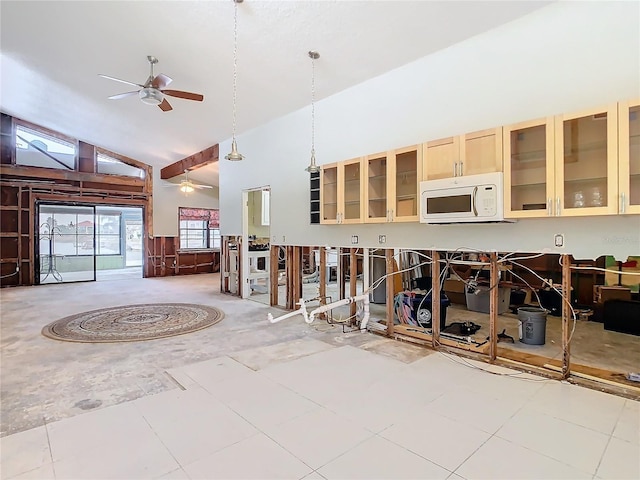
354,239
382,239
558,240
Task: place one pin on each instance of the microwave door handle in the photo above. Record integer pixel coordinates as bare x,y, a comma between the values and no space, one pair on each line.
473,201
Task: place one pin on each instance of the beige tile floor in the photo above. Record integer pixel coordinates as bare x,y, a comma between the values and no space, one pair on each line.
294,401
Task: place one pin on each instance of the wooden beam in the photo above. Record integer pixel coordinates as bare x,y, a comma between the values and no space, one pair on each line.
55,174
192,162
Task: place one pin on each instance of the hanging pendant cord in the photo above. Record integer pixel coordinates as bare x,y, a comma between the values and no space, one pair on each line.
313,107
235,63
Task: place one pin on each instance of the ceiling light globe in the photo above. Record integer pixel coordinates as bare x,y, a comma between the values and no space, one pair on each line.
151,96
186,188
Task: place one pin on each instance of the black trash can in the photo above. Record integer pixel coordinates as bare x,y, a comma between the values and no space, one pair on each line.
421,310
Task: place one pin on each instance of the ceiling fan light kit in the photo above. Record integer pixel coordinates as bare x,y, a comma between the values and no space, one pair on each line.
153,91
151,96
186,187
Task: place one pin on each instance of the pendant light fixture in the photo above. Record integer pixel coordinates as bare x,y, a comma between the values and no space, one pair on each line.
313,168
235,155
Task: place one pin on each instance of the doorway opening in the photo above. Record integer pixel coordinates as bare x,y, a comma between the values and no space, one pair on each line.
256,235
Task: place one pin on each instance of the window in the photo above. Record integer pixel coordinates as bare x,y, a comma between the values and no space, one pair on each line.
108,234
71,234
112,166
199,228
35,148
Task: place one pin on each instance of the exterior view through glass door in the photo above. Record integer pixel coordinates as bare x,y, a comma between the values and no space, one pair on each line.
87,243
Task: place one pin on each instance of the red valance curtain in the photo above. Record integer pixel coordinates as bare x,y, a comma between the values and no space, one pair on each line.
212,216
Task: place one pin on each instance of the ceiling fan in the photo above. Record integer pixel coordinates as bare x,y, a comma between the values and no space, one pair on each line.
153,91
186,185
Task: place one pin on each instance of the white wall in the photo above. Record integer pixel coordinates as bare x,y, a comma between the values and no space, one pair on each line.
167,200
566,57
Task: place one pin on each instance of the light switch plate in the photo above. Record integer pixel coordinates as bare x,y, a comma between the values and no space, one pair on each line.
354,239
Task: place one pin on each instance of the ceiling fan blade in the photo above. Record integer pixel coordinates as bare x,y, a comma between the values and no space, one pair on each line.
122,95
197,185
165,106
161,81
186,95
121,81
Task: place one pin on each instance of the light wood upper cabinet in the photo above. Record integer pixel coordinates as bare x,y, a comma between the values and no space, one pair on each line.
392,181
469,154
329,193
529,168
441,158
351,191
586,163
341,192
376,180
629,156
405,171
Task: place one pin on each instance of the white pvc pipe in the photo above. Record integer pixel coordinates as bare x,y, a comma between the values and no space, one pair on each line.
302,310
346,301
308,318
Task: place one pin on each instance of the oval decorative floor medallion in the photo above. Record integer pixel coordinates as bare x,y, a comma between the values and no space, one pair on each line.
130,323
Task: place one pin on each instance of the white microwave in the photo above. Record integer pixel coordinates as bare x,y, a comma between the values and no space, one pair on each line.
470,198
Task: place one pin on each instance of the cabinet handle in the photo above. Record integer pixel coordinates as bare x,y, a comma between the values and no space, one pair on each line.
623,203
455,169
558,207
391,215
549,204
460,169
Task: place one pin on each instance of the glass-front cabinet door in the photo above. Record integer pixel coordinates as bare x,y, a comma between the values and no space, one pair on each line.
587,163
405,174
376,209
351,208
329,193
529,169
629,156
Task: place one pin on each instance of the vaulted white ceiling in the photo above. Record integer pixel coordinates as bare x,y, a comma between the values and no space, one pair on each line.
53,51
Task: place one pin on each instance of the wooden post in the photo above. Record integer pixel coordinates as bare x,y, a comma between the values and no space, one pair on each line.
273,275
323,278
388,253
341,271
353,279
566,316
290,273
493,306
435,299
296,283
241,284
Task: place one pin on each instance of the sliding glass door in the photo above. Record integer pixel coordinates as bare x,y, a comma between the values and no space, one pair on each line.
78,243
66,243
